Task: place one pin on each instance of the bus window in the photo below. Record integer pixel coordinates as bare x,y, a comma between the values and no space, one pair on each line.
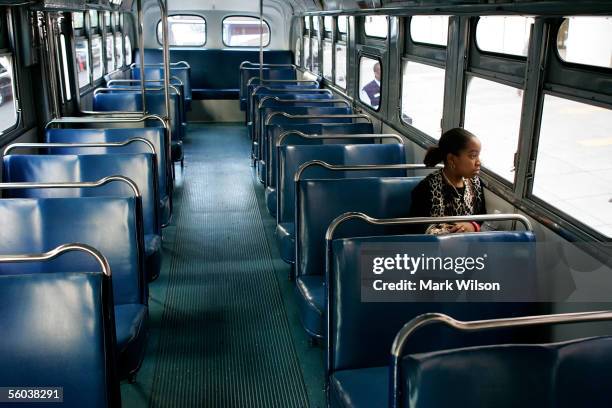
184,30
82,61
306,62
423,97
8,111
298,51
315,55
244,32
119,50
340,79
328,23
504,34
327,60
493,113
66,78
376,26
586,40
573,168
96,57
343,24
128,50
370,75
429,29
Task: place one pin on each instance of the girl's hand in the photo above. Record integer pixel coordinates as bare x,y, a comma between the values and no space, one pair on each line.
462,227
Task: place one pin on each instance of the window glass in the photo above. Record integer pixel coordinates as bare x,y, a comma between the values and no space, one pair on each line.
8,111
315,55
244,32
343,24
96,57
493,113
119,50
341,66
327,60
82,61
504,34
116,18
307,23
306,52
429,29
93,18
370,74
573,167
315,23
298,51
128,50
78,20
586,40
423,97
107,19
376,26
184,31
110,53
64,49
328,23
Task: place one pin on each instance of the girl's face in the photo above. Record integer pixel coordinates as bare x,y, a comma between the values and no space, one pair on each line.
467,162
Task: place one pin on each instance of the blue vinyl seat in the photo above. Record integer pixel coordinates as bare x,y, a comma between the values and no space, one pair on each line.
183,73
307,128
140,168
69,344
358,352
379,197
246,73
110,224
302,91
292,157
155,135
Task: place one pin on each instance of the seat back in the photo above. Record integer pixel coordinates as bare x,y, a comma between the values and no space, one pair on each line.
292,157
33,225
379,197
140,168
246,73
58,330
360,333
181,72
569,374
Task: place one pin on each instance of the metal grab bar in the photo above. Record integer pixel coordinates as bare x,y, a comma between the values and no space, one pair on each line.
160,88
427,319
54,253
138,81
322,101
75,145
296,81
251,97
128,114
323,116
243,63
301,134
360,167
185,64
109,119
82,184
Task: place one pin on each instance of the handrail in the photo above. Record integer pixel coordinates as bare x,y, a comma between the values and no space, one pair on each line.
128,114
272,81
79,119
322,116
132,81
12,146
62,249
185,64
303,135
82,184
243,63
159,88
277,99
279,90
360,167
427,319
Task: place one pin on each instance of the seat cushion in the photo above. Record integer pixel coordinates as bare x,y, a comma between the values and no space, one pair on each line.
271,200
311,303
285,237
153,255
365,387
131,330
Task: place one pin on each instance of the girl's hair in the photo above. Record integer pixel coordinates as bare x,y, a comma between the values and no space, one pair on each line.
452,141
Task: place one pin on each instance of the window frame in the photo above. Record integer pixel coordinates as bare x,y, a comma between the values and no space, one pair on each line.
245,46
379,59
343,40
184,46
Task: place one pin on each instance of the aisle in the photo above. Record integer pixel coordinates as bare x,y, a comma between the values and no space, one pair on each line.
223,337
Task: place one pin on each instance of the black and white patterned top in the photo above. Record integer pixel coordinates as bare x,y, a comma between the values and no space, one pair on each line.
435,197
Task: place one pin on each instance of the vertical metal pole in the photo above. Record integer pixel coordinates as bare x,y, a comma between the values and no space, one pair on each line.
142,55
261,25
166,46
49,39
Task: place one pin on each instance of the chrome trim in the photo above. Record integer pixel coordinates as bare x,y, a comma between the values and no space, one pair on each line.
62,249
286,81
243,63
132,81
277,99
95,144
301,134
325,116
83,184
426,319
110,119
184,64
105,90
357,167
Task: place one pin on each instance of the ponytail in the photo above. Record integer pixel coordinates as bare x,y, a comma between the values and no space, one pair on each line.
433,156
452,141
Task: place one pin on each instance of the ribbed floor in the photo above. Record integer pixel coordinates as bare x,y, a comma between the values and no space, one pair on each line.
225,339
